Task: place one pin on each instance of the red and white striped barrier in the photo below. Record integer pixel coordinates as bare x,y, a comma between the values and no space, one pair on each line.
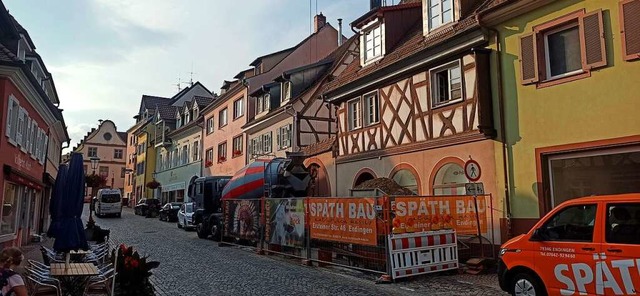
422,252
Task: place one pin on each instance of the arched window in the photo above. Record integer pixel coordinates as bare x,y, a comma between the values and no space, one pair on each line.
449,180
406,179
364,175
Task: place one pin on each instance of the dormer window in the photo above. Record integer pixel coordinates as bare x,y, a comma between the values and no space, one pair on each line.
195,111
22,49
187,117
440,12
286,91
372,43
263,103
178,120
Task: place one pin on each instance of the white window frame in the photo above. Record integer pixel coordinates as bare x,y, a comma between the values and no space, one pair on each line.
223,120
267,102
353,125
371,30
30,138
210,125
238,108
33,148
367,108
286,91
267,143
196,150
441,15
11,123
239,146
89,152
45,142
284,136
209,156
21,131
434,89
222,152
546,51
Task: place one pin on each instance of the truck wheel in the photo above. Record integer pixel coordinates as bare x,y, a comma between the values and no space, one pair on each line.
216,232
201,231
525,284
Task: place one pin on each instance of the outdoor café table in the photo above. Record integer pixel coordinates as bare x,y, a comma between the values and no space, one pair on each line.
74,278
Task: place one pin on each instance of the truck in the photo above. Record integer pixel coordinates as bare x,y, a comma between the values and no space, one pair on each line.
280,177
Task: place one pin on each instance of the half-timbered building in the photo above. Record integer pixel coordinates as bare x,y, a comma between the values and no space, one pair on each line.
416,103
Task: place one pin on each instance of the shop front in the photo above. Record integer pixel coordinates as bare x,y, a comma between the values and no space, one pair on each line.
22,198
174,183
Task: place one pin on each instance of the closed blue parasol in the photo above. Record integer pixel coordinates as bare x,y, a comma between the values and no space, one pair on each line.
70,235
55,203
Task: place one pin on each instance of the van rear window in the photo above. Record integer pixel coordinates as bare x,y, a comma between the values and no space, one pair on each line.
110,198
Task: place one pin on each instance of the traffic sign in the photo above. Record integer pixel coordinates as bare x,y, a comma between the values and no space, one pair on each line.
474,188
472,170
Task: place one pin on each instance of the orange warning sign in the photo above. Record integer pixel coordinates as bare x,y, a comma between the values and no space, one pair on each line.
349,220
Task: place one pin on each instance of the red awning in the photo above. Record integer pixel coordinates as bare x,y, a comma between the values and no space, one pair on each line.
19,177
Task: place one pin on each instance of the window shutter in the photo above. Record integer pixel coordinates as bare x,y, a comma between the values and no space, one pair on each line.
630,29
594,54
279,138
45,146
528,58
20,126
9,117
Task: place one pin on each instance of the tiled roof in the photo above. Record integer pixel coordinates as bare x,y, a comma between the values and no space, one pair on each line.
150,102
123,136
167,112
319,147
413,42
202,101
6,55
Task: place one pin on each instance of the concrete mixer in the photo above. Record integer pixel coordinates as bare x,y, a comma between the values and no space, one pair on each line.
263,178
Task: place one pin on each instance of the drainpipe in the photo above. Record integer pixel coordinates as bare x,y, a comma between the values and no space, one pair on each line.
503,129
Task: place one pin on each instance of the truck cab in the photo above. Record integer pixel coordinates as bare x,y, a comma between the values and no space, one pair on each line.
206,193
585,246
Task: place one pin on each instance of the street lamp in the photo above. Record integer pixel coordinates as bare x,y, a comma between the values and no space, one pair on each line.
94,165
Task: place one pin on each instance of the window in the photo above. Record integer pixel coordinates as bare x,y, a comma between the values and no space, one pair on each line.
284,137
210,125
372,114
209,157
373,43
355,114
117,154
286,91
237,146
406,179
238,108
623,223
176,157
187,116
184,157
450,180
24,125
264,103
9,209
93,151
573,223
178,121
564,49
440,12
266,143
446,84
13,109
222,152
196,151
104,171
222,118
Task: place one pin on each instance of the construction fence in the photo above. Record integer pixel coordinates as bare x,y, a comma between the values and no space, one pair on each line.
362,232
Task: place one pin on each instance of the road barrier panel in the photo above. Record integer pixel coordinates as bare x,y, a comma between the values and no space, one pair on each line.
422,252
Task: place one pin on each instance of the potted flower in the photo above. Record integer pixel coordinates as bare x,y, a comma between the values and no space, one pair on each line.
208,163
222,159
153,184
133,272
237,152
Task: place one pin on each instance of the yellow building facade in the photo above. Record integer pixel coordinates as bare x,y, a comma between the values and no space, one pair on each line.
567,93
145,163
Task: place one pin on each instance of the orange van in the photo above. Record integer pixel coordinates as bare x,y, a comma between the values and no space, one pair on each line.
585,246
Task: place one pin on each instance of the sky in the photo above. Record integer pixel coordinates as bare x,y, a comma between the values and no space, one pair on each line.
105,54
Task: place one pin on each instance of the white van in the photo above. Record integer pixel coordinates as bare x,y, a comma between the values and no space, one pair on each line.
108,202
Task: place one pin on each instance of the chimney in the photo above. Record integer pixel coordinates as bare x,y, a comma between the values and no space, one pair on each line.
318,22
339,31
375,4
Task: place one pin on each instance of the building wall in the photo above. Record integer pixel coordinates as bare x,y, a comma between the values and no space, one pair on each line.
131,160
234,128
22,189
272,125
142,148
106,150
175,179
577,112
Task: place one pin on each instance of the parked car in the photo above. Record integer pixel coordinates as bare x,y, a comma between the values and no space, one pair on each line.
185,216
147,207
169,212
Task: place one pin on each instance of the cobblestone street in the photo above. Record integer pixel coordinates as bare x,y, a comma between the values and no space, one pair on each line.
192,266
